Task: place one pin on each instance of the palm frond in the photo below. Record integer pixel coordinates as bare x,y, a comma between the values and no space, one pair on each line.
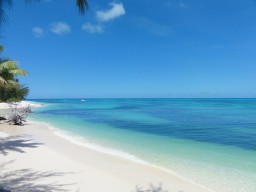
18,72
12,82
2,81
8,64
82,6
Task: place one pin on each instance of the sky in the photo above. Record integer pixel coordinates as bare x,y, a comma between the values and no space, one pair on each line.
134,48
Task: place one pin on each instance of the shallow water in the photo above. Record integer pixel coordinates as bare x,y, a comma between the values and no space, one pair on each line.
211,142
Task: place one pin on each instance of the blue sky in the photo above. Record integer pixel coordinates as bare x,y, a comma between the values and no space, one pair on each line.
131,48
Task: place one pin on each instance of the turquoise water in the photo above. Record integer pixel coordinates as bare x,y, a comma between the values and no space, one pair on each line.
211,142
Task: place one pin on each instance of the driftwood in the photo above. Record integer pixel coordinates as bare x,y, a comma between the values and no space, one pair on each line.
18,115
2,118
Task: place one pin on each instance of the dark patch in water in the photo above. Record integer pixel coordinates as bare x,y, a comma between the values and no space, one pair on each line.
222,121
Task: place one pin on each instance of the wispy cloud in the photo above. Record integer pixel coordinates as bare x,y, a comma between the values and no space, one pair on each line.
60,28
38,32
153,27
116,10
92,28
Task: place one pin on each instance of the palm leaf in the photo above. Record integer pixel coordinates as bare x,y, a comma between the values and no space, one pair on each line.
12,82
8,64
18,72
82,6
2,81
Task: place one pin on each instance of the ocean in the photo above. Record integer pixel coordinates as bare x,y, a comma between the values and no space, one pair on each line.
210,142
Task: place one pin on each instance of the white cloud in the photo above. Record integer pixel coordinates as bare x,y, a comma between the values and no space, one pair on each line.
92,28
38,32
116,10
60,28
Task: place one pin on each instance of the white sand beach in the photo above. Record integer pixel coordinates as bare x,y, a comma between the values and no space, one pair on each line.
5,108
20,104
34,159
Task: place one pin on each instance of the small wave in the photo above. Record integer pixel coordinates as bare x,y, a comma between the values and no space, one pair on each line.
78,140
85,143
81,141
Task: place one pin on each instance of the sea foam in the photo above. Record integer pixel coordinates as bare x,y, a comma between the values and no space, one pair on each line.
81,141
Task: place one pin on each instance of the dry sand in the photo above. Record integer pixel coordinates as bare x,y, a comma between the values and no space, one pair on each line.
33,158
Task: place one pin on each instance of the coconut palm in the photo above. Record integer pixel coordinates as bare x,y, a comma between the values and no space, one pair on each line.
9,70
10,89
82,5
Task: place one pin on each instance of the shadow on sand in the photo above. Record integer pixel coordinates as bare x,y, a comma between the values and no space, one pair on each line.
16,143
28,180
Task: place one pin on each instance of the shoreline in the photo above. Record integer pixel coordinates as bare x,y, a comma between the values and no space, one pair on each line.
121,171
81,142
6,108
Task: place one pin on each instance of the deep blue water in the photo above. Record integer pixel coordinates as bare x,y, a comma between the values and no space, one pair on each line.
222,121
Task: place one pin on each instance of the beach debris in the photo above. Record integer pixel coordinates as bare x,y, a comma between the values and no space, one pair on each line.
151,188
18,114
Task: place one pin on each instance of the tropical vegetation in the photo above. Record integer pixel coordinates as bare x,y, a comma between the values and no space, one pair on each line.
10,88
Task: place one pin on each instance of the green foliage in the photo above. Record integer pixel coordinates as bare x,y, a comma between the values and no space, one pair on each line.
10,89
9,69
13,93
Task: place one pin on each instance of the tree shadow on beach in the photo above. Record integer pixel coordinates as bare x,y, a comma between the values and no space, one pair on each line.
29,180
16,143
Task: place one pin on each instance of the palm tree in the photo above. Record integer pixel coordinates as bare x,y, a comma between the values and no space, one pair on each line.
10,89
9,70
82,5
